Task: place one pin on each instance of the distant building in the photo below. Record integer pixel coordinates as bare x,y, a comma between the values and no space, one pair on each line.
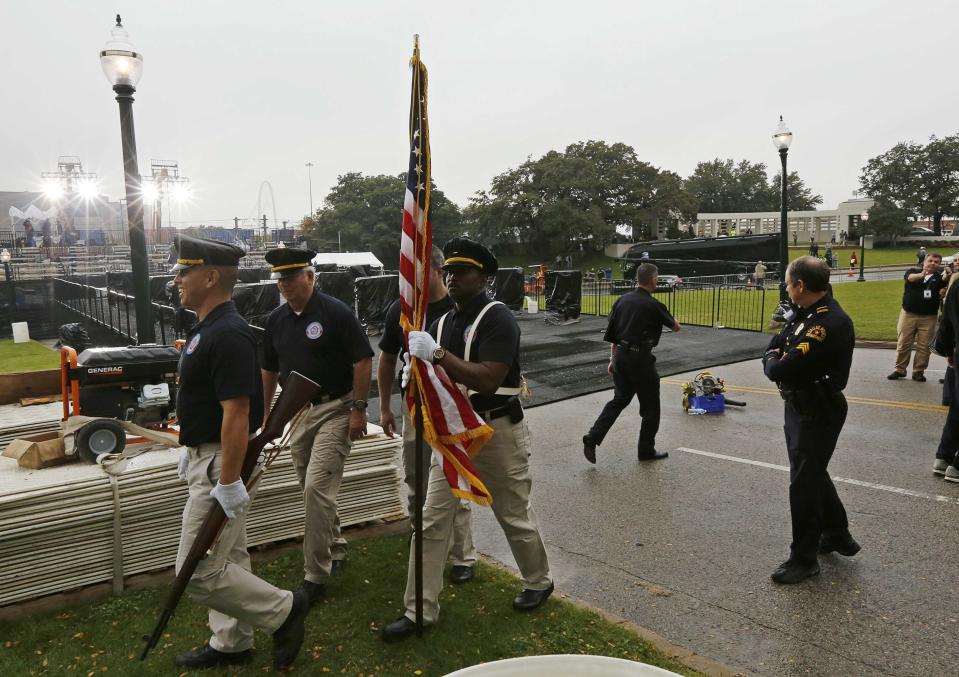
822,224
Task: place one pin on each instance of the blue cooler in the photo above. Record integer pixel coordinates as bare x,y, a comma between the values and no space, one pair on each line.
711,404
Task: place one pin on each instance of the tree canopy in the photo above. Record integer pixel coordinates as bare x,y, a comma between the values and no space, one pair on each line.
366,214
724,186
581,194
917,179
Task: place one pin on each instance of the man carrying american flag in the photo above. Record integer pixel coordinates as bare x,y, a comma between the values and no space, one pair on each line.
466,375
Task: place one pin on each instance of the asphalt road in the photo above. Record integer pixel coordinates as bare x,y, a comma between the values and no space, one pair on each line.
685,546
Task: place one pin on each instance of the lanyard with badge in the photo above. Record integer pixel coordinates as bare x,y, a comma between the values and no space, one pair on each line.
926,292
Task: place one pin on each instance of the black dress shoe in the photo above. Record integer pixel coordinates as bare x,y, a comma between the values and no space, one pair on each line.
460,573
655,456
338,567
589,449
844,545
896,375
531,599
313,590
288,638
399,629
793,571
918,377
208,657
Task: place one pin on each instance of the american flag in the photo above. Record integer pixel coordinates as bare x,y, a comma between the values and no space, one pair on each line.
450,426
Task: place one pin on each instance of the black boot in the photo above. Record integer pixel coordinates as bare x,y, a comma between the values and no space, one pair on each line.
313,590
589,449
208,657
288,638
532,599
793,571
845,545
399,629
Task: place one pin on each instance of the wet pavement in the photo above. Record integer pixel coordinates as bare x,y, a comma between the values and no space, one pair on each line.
685,546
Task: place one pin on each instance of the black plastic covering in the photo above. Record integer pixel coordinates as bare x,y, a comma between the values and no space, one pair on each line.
338,284
508,287
123,283
74,335
256,301
29,301
128,355
373,297
564,292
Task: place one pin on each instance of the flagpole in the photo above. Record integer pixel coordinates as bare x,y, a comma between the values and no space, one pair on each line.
420,493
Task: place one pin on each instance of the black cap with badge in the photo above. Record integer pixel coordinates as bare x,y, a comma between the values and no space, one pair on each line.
286,261
200,251
462,251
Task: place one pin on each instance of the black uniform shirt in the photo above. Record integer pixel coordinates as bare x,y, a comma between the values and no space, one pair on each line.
218,362
818,343
636,318
322,343
392,340
922,297
496,340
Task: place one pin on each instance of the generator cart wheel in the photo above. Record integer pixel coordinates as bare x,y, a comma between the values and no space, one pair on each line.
103,436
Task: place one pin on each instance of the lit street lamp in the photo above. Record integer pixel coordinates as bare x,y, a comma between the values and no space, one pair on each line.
863,218
123,66
781,139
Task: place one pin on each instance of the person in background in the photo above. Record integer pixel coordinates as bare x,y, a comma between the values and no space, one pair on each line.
922,291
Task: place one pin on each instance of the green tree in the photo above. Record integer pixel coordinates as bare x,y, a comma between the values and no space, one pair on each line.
723,186
799,198
887,220
581,194
365,213
920,180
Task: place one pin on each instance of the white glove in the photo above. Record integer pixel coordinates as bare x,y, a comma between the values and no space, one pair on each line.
183,463
232,497
422,345
405,376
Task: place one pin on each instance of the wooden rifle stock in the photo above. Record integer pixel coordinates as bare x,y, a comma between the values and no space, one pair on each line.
297,392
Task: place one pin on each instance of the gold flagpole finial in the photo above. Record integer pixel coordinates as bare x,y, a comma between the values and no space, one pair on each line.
416,42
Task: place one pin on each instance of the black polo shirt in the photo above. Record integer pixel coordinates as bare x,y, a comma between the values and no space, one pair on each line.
218,362
392,339
496,340
322,343
637,318
922,297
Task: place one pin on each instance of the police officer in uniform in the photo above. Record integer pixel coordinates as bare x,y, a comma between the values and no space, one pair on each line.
635,325
219,406
319,337
492,374
809,361
462,552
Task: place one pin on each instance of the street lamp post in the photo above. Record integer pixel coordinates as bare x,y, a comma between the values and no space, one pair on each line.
309,174
8,274
123,67
863,218
781,139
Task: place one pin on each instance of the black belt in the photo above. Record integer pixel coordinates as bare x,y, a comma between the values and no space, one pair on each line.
512,408
324,398
626,345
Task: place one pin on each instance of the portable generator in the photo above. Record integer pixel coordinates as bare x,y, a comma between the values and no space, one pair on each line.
133,383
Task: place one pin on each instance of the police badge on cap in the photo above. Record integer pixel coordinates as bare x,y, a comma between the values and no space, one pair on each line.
288,261
463,252
199,251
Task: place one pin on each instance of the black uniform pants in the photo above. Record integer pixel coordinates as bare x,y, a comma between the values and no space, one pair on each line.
813,502
633,374
948,449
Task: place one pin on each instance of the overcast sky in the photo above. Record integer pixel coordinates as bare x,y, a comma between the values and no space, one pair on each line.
244,92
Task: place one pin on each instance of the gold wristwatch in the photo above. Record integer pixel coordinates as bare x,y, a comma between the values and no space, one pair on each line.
438,354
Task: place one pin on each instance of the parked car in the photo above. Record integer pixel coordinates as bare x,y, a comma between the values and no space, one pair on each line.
921,230
669,282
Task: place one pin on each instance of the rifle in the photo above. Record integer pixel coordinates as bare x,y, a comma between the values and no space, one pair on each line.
297,392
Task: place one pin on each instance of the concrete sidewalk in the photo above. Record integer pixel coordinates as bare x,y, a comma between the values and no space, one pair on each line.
685,546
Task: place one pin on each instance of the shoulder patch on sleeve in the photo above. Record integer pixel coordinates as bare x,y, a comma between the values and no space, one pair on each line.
820,311
803,347
818,333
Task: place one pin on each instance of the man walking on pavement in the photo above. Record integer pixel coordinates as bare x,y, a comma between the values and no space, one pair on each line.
462,552
810,360
635,325
922,291
319,337
477,344
219,405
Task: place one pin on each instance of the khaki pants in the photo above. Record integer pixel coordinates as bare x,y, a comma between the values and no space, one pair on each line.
462,552
503,465
319,448
918,328
238,600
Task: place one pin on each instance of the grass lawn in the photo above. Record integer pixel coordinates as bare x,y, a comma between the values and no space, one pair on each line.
30,356
873,306
477,625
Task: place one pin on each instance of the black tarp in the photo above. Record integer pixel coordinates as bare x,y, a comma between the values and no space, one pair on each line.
373,297
508,287
29,301
123,283
250,275
256,301
339,285
564,292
